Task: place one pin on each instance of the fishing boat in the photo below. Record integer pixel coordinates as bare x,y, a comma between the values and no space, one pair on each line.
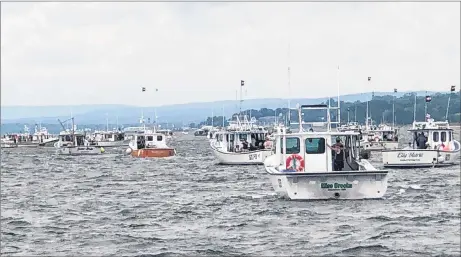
439,147
6,143
113,138
432,143
73,142
381,137
240,143
307,166
23,139
42,137
148,143
167,132
203,131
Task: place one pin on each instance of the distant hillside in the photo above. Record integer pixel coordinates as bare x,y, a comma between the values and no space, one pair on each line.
178,113
380,109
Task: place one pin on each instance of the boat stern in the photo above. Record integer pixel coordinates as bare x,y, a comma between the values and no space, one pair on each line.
153,153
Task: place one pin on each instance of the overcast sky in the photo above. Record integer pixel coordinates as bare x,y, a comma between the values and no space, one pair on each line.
93,53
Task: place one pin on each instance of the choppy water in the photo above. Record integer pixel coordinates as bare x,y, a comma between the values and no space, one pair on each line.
117,205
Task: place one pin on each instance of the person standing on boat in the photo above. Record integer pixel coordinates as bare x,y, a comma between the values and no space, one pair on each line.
244,144
421,141
338,155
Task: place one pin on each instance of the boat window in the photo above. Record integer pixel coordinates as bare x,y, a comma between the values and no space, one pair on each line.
315,145
435,136
150,138
293,146
231,137
450,136
443,136
227,137
242,137
159,138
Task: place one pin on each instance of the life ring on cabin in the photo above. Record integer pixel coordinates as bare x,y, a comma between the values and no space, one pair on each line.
295,162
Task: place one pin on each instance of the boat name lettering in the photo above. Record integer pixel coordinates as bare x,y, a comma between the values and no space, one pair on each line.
335,186
253,156
84,148
411,155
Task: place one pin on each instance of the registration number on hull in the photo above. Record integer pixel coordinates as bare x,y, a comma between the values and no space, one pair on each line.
254,156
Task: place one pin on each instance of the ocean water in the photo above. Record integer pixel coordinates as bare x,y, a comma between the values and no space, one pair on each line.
115,205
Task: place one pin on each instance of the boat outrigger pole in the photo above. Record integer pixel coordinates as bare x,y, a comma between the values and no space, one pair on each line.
73,126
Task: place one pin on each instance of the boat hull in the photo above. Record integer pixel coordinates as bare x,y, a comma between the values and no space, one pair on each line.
242,158
153,153
331,185
80,150
404,158
6,145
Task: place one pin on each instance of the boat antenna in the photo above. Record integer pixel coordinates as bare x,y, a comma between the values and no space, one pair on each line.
289,87
368,111
355,112
73,131
339,103
414,108
300,118
452,89
212,116
393,108
107,121
223,124
143,89
425,105
156,116
242,83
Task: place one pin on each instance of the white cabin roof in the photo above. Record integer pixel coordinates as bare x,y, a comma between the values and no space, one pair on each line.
430,124
322,133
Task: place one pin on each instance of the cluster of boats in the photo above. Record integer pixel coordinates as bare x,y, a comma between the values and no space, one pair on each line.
325,163
141,141
321,161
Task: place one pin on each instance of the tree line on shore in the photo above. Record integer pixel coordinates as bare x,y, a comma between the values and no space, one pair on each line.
379,110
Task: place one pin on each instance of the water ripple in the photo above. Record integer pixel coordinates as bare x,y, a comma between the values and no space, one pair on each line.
113,205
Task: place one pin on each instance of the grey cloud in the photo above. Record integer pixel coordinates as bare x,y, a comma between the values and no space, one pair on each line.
200,51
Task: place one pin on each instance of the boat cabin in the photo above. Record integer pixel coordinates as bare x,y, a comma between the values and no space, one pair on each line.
109,136
431,135
318,151
382,133
148,140
67,139
240,141
200,132
166,132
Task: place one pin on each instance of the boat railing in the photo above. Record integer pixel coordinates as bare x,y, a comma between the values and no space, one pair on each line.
274,172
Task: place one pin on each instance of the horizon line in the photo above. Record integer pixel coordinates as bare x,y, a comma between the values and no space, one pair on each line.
369,92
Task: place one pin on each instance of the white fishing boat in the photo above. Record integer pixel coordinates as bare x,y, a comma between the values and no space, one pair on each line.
381,137
74,142
203,131
42,137
439,148
241,143
113,138
307,166
432,144
167,132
